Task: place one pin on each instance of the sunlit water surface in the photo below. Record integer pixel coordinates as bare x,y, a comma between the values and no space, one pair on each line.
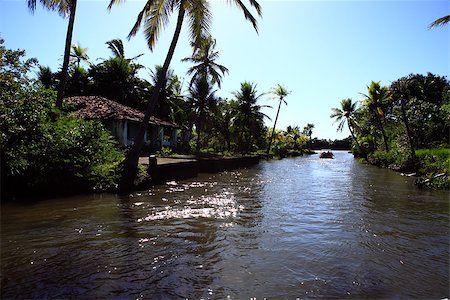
295,228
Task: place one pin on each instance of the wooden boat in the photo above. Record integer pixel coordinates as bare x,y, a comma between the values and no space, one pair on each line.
326,154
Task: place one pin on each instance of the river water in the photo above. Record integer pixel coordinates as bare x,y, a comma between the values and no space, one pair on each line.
295,228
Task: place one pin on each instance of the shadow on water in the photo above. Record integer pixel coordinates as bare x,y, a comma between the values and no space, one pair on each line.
301,227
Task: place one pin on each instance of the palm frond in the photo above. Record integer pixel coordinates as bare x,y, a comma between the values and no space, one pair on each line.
256,5
199,21
62,7
247,14
114,2
141,16
440,22
32,5
341,125
116,46
156,21
336,113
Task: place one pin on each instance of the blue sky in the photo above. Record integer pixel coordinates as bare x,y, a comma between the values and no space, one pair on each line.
322,51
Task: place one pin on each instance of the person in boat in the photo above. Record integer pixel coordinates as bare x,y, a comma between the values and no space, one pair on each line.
327,154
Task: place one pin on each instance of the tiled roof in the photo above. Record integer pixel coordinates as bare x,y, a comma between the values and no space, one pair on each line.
97,107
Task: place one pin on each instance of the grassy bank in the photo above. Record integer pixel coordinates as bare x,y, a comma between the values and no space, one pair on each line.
431,166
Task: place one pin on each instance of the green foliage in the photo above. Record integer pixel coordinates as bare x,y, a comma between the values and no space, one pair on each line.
116,79
413,112
164,152
248,119
45,149
394,159
434,160
434,167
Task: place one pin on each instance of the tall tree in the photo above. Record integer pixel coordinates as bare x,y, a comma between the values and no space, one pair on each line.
170,92
345,114
155,16
204,60
202,96
223,121
78,54
307,130
401,90
64,8
248,113
280,92
46,76
377,97
118,50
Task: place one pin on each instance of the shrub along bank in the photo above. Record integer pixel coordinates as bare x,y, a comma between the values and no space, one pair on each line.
45,150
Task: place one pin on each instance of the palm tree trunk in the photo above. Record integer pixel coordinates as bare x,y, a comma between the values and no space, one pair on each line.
353,136
130,164
198,129
408,131
384,135
65,67
273,130
197,146
380,126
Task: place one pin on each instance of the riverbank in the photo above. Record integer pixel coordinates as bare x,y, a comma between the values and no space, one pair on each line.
431,166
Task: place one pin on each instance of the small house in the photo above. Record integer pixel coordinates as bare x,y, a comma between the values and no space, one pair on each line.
123,122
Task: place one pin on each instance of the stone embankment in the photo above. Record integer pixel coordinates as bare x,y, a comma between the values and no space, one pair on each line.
182,167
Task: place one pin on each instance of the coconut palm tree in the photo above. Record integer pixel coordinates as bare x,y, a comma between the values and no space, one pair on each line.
307,130
224,113
116,46
170,92
154,16
46,76
280,92
377,97
64,8
248,112
204,60
440,22
345,114
202,96
78,54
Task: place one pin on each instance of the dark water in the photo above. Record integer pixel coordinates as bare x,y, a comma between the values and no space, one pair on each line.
295,228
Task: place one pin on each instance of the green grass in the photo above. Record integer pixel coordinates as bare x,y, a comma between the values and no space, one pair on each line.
438,153
434,167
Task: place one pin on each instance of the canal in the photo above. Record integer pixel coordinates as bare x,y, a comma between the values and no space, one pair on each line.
294,228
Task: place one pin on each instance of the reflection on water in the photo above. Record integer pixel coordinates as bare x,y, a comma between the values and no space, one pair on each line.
302,227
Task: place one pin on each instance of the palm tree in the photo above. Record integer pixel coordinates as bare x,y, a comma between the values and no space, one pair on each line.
401,90
155,15
204,58
170,92
116,46
46,76
440,22
377,97
307,130
202,96
345,114
281,92
223,120
294,134
248,112
78,54
64,8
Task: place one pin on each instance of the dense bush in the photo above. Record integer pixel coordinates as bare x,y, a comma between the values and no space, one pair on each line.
434,167
44,149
